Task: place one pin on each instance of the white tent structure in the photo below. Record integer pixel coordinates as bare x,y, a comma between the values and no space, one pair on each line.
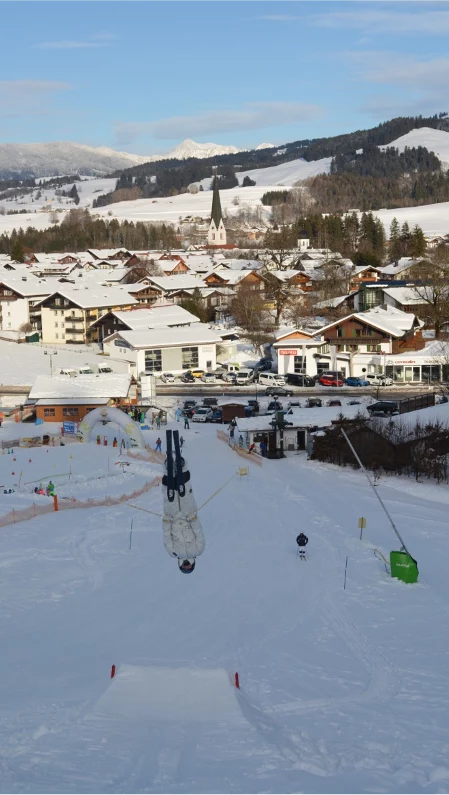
111,414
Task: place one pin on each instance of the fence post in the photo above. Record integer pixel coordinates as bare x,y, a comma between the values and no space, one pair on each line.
55,502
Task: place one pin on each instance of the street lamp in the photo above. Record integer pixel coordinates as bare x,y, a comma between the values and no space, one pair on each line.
55,353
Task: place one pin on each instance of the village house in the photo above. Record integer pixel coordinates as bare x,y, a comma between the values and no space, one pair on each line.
165,349
63,399
136,319
67,314
300,351
368,337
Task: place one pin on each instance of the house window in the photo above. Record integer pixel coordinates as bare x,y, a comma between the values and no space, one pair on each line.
56,325
69,411
55,312
190,358
299,364
339,332
373,348
7,292
56,336
57,301
153,361
49,412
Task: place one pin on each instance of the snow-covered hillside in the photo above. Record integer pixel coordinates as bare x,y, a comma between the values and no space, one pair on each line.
287,173
341,690
43,199
436,141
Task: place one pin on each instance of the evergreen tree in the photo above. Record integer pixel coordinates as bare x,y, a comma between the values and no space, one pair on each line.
394,249
18,252
417,247
405,238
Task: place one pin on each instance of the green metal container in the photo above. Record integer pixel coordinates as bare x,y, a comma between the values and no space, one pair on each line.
403,567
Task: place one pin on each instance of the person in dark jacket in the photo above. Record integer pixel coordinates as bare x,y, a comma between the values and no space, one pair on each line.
302,542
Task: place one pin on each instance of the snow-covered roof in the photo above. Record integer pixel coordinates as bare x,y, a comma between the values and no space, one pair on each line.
303,418
110,385
88,297
155,317
180,281
107,253
281,333
402,264
197,334
390,320
406,296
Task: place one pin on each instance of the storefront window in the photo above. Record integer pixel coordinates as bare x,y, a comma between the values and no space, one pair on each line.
153,361
190,358
430,372
398,373
300,363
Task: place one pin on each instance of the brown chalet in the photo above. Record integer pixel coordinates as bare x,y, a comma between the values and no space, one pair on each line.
235,279
378,330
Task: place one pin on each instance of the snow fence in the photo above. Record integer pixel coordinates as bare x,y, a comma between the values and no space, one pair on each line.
65,504
254,457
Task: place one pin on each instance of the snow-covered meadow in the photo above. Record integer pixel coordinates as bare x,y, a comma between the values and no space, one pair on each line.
341,690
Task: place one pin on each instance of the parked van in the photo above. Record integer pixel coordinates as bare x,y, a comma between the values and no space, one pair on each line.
234,367
86,370
68,371
244,376
271,379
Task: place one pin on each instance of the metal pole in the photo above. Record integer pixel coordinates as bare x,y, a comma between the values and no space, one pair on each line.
346,568
376,493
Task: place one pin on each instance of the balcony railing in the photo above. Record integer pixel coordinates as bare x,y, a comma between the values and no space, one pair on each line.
73,330
74,319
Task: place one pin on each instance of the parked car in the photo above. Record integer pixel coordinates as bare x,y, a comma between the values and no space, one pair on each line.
202,414
217,415
312,403
332,403
383,408
271,379
335,373
254,404
294,404
244,376
378,379
187,378
189,404
330,380
168,378
189,411
274,405
229,378
208,378
298,379
354,381
210,401
279,390
196,372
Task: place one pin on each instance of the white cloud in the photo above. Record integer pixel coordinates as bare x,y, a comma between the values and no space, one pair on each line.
27,97
103,39
403,70
385,22
255,116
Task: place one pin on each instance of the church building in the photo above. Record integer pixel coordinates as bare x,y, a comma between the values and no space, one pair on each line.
216,235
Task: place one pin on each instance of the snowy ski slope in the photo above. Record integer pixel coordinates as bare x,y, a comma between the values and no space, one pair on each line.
436,141
341,690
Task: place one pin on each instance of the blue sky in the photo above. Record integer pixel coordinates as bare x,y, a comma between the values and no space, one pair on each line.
142,76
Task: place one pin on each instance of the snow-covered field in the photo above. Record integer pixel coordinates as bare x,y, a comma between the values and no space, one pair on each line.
341,690
436,141
21,364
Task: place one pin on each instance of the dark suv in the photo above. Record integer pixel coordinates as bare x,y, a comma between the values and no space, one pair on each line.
278,390
298,379
383,408
210,401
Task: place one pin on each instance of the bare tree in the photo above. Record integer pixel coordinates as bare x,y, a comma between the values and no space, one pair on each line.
433,290
146,267
249,310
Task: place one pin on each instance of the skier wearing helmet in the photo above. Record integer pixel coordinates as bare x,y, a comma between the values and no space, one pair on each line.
183,534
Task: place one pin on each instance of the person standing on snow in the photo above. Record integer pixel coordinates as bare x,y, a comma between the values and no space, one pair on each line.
181,441
178,413
158,445
302,542
186,423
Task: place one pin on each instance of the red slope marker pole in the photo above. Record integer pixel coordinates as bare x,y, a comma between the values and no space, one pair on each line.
236,680
112,671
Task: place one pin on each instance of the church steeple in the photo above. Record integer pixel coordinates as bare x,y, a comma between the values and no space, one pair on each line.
216,235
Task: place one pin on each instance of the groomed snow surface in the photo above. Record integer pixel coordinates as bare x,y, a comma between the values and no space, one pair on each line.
341,690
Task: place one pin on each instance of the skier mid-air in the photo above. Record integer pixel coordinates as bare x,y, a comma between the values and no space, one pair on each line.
302,542
183,535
